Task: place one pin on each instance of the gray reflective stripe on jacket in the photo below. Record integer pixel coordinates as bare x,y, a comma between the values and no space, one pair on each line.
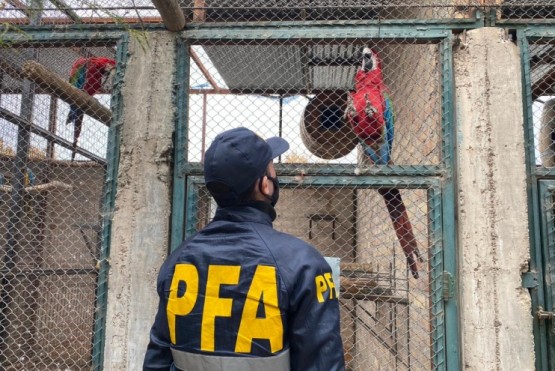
201,362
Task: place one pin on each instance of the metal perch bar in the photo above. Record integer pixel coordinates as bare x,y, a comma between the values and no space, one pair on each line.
22,123
51,83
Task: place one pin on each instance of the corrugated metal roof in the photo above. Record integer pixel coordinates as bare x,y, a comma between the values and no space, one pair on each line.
271,68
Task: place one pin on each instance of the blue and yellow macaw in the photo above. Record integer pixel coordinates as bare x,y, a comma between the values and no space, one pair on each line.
370,113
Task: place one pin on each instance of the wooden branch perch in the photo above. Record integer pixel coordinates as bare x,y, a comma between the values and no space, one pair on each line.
172,14
51,83
41,187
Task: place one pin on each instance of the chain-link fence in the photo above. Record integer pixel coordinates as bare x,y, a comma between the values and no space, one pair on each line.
355,110
540,88
53,144
198,11
345,106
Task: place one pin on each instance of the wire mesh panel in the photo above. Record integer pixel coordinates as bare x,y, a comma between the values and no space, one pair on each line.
389,319
55,117
324,10
541,112
309,92
347,107
143,11
528,10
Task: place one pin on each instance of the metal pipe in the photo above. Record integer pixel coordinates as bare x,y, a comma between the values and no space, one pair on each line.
47,134
280,129
204,111
52,113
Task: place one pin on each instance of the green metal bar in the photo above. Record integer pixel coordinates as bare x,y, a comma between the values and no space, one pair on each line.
547,189
536,32
181,104
536,262
342,181
445,23
379,31
525,23
452,332
90,28
436,278
438,24
191,206
108,205
339,169
356,181
544,172
29,38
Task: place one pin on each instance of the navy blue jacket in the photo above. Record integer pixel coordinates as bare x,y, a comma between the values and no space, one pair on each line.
241,289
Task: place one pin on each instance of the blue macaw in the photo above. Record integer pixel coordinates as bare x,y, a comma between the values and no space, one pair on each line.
370,113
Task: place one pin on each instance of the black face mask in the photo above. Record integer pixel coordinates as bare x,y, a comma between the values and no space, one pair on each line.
275,196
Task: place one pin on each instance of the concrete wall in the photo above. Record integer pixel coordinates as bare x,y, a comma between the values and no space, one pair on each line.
496,322
140,230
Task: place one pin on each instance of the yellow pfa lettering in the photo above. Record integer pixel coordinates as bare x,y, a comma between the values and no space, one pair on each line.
321,287
331,285
181,306
214,306
263,290
324,282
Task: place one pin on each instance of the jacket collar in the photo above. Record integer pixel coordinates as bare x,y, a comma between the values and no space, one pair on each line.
256,211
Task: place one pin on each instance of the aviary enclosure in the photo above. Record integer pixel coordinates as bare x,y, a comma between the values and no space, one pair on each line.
365,101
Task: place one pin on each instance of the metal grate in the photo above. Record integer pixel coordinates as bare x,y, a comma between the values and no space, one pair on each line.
52,175
143,12
542,97
299,89
322,10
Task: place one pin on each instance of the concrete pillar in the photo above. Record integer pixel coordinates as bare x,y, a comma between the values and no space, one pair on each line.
140,231
493,243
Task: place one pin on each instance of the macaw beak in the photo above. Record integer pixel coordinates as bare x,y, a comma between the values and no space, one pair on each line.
367,63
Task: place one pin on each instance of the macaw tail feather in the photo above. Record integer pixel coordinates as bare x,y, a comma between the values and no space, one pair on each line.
74,115
76,133
403,228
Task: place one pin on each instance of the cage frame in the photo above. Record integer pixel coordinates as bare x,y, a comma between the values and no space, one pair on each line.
184,171
35,36
188,175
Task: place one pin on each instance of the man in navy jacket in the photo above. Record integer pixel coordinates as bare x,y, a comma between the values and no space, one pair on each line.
240,295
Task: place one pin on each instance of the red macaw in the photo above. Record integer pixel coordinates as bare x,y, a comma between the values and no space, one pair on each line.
87,74
370,113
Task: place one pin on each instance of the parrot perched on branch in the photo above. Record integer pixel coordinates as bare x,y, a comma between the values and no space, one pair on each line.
89,75
370,113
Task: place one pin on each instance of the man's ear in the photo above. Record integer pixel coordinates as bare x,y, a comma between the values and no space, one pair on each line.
265,185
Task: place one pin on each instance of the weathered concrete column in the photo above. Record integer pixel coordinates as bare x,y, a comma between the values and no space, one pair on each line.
496,323
140,231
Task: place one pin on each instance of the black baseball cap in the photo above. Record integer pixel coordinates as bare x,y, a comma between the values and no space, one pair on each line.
236,159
